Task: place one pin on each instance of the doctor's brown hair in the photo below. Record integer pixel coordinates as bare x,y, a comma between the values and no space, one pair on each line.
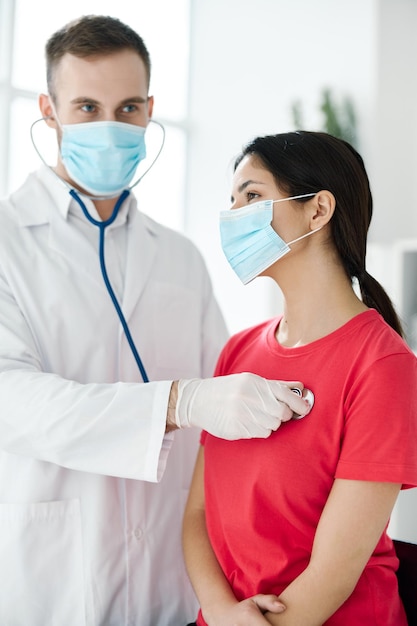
305,161
92,35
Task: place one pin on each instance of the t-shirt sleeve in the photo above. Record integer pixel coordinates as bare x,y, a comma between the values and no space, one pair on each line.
220,370
379,442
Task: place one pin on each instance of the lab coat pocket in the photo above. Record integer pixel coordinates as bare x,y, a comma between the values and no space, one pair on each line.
41,564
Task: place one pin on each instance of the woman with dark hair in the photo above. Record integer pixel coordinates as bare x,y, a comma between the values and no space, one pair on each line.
300,519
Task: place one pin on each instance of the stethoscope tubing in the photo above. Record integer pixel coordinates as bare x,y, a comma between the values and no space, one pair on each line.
102,231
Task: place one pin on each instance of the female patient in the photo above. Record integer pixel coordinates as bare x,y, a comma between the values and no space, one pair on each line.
303,515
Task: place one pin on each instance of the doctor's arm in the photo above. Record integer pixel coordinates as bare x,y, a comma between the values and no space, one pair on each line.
49,416
355,515
218,603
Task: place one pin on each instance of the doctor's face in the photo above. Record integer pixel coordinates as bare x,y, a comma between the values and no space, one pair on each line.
111,87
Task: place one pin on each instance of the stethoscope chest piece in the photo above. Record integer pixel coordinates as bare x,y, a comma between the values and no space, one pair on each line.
308,396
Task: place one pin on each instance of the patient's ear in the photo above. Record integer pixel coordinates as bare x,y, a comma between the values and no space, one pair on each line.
47,111
322,209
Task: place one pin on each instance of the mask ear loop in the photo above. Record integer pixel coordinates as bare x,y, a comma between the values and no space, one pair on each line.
304,195
161,126
304,236
70,187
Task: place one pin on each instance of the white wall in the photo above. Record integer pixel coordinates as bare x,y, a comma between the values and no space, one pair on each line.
249,62
394,153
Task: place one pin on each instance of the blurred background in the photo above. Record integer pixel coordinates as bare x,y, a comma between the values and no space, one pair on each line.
225,71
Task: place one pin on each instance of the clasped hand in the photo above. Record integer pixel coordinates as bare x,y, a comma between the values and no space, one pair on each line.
248,612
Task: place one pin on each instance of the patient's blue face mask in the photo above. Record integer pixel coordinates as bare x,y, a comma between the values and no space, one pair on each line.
248,240
102,157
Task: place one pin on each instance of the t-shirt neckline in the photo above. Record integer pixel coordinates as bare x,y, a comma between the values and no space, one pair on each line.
358,320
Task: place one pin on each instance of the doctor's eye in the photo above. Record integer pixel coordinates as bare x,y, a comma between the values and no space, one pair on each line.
88,107
130,108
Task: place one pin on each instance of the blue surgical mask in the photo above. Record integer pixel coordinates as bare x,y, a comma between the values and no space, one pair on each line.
102,157
248,240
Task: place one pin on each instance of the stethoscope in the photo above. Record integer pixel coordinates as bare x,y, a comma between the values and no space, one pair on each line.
307,395
102,225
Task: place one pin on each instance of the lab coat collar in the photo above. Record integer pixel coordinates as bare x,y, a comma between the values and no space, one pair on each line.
44,196
34,198
47,190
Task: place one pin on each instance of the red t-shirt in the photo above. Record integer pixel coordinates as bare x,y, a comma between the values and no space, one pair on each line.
264,497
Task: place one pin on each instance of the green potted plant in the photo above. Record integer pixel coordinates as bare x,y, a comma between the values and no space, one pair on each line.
339,119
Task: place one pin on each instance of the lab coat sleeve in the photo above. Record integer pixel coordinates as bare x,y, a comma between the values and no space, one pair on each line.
113,429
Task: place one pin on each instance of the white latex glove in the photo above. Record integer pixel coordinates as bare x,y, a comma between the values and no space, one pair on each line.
239,406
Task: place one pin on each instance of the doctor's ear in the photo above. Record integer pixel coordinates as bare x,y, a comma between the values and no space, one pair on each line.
322,208
45,106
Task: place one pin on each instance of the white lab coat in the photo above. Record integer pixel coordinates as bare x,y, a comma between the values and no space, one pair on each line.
88,536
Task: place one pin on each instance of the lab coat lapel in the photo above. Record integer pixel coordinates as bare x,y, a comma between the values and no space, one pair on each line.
75,247
51,199
140,257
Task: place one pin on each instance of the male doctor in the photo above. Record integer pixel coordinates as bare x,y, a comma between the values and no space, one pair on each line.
92,480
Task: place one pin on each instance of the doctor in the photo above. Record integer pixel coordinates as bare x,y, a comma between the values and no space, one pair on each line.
92,478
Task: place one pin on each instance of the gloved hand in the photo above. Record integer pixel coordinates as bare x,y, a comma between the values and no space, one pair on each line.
238,406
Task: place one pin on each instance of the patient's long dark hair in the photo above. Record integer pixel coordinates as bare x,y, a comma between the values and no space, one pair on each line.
303,162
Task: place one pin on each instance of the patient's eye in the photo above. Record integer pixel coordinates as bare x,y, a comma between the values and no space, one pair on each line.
251,195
